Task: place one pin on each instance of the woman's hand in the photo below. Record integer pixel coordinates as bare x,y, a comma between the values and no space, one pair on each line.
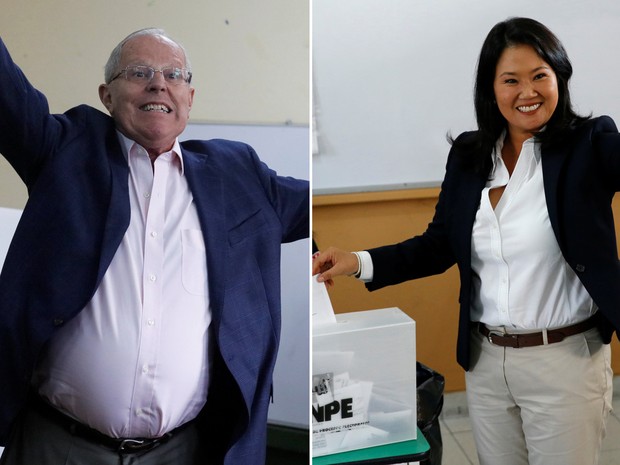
333,262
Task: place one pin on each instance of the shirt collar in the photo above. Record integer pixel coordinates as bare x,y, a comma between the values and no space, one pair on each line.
499,145
127,144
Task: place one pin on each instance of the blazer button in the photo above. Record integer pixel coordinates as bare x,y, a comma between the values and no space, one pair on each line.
579,268
58,322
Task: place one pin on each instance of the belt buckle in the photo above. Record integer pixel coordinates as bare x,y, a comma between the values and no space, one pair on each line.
131,445
495,333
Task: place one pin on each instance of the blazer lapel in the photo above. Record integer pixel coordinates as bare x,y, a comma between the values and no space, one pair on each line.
553,159
465,212
208,194
119,211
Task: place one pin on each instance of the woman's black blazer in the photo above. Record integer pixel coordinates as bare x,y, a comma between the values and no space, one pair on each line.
581,176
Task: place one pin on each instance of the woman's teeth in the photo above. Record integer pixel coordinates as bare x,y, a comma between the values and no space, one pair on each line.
527,109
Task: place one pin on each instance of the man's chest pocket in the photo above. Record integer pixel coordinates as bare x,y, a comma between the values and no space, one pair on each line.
194,268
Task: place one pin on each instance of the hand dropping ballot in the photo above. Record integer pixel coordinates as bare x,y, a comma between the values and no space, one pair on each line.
363,377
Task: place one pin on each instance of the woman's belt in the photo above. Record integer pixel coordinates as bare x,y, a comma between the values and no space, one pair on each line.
550,336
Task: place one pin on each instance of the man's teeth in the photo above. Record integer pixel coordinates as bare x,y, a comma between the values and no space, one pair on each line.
525,109
153,107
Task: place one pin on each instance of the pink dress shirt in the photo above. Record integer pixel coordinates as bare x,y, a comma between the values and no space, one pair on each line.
135,362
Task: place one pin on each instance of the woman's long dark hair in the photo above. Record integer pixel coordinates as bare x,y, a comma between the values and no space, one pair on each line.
491,123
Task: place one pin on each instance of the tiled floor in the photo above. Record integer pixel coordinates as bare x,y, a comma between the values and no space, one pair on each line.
458,443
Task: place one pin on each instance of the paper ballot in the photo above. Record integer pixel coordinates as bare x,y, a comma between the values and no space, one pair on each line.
322,310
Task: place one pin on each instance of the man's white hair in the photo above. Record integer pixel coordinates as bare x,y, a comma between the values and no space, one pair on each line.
111,67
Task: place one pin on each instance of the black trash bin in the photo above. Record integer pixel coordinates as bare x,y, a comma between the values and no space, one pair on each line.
430,386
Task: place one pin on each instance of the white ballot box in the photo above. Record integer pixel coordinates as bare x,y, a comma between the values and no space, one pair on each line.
363,381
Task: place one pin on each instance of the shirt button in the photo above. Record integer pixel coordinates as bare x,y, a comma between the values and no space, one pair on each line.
145,369
147,194
153,278
151,322
153,233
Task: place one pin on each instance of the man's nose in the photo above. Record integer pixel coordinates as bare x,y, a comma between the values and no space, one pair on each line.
157,82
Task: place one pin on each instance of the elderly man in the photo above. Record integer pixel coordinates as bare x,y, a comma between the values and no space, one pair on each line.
140,297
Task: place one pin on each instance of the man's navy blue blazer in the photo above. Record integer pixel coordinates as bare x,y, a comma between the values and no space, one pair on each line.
76,215
581,175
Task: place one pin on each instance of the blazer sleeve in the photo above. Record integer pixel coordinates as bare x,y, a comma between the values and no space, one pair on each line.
607,147
289,198
28,132
424,255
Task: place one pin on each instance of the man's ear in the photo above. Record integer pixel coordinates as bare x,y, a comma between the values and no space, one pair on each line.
191,98
105,97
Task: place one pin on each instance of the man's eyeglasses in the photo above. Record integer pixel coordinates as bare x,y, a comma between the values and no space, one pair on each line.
144,74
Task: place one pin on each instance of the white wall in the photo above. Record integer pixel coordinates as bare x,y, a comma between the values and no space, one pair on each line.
250,58
391,78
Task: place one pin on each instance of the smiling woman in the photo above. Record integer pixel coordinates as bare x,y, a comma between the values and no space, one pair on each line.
531,59
525,212
526,90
